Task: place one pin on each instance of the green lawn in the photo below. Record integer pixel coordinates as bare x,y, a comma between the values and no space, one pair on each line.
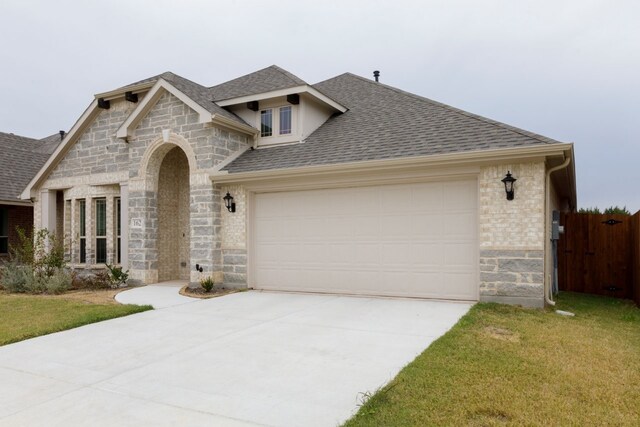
502,365
28,316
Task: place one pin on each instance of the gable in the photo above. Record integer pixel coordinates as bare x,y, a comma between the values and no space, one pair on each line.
97,150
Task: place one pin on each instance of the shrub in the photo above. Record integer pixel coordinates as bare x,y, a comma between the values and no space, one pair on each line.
117,276
59,282
99,280
36,284
207,284
15,277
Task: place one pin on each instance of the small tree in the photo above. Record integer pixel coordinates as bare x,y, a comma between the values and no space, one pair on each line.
612,210
617,210
593,210
44,253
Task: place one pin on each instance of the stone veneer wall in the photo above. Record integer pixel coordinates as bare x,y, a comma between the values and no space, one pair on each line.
98,159
234,237
512,235
209,146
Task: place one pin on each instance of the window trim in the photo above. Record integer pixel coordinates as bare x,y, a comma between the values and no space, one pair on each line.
82,231
290,110
278,111
267,112
118,230
100,239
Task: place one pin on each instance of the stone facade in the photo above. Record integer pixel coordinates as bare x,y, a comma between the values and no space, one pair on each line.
234,237
512,235
169,228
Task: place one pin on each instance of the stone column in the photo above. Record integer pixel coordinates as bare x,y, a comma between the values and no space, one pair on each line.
89,231
48,206
205,227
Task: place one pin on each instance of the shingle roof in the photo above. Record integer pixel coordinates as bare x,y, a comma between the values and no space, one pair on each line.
386,123
196,92
20,160
265,80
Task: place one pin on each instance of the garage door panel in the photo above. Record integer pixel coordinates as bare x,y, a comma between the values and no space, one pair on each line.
458,255
427,255
400,240
427,198
460,224
457,194
366,254
366,227
460,285
428,225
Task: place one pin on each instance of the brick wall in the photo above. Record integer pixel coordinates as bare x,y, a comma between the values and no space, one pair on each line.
18,216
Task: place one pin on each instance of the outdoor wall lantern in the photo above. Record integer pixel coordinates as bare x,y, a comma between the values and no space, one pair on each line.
228,202
508,185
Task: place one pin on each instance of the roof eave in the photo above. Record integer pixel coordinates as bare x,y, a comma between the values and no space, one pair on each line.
119,93
284,92
450,159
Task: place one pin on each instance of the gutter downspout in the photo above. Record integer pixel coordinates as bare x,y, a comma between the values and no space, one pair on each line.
547,283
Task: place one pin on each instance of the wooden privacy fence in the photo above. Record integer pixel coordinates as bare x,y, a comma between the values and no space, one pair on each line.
600,254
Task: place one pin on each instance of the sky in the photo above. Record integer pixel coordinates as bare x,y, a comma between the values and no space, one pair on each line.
569,70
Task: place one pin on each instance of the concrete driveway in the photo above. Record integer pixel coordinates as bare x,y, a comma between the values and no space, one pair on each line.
252,358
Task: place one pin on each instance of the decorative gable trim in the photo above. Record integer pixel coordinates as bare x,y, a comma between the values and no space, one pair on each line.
160,88
284,92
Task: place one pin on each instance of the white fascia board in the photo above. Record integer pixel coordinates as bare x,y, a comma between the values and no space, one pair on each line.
283,92
119,93
472,157
71,137
158,89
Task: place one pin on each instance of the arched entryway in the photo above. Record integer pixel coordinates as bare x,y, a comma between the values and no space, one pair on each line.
173,217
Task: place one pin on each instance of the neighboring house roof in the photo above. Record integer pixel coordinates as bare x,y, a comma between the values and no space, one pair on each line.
383,122
266,80
20,159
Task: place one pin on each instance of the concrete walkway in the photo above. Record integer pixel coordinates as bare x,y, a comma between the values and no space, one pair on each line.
159,295
245,359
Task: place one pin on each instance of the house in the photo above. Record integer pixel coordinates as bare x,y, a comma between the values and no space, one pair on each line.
20,159
344,186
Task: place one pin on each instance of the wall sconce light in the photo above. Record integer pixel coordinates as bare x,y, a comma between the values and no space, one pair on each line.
228,203
199,268
508,181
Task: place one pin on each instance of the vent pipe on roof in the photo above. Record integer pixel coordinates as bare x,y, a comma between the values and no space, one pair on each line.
62,133
376,75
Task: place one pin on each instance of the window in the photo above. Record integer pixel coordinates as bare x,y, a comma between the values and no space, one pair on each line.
266,122
101,231
4,231
118,230
285,120
82,207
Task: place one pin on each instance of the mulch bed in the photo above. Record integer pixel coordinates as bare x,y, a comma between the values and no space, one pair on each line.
201,293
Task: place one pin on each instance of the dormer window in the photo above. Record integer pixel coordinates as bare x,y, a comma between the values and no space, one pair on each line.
266,122
285,120
283,124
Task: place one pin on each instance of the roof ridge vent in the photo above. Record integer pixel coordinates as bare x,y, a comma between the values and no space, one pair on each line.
376,75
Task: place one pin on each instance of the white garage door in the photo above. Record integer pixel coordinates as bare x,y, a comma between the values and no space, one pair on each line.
415,240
